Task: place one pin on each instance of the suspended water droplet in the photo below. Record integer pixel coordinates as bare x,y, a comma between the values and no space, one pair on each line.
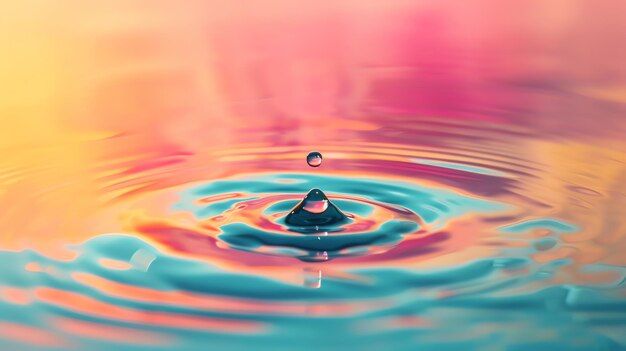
314,159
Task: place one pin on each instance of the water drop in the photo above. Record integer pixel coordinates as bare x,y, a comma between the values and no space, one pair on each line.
314,159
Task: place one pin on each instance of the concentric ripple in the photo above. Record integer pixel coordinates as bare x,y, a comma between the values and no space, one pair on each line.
443,248
248,213
222,266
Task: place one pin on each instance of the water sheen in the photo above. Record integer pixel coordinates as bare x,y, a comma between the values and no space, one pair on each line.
152,195
419,260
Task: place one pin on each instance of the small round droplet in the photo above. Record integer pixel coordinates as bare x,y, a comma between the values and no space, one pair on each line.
314,159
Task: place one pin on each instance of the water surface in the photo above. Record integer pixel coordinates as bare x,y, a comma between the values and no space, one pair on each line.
147,165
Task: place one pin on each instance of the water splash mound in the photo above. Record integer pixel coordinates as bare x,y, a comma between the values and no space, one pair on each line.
315,210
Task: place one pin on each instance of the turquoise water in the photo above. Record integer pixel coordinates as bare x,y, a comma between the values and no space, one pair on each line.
410,208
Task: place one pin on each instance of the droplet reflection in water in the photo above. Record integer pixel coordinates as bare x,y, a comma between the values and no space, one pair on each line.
316,206
314,159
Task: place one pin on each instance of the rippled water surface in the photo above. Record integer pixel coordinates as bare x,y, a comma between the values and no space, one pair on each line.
481,169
